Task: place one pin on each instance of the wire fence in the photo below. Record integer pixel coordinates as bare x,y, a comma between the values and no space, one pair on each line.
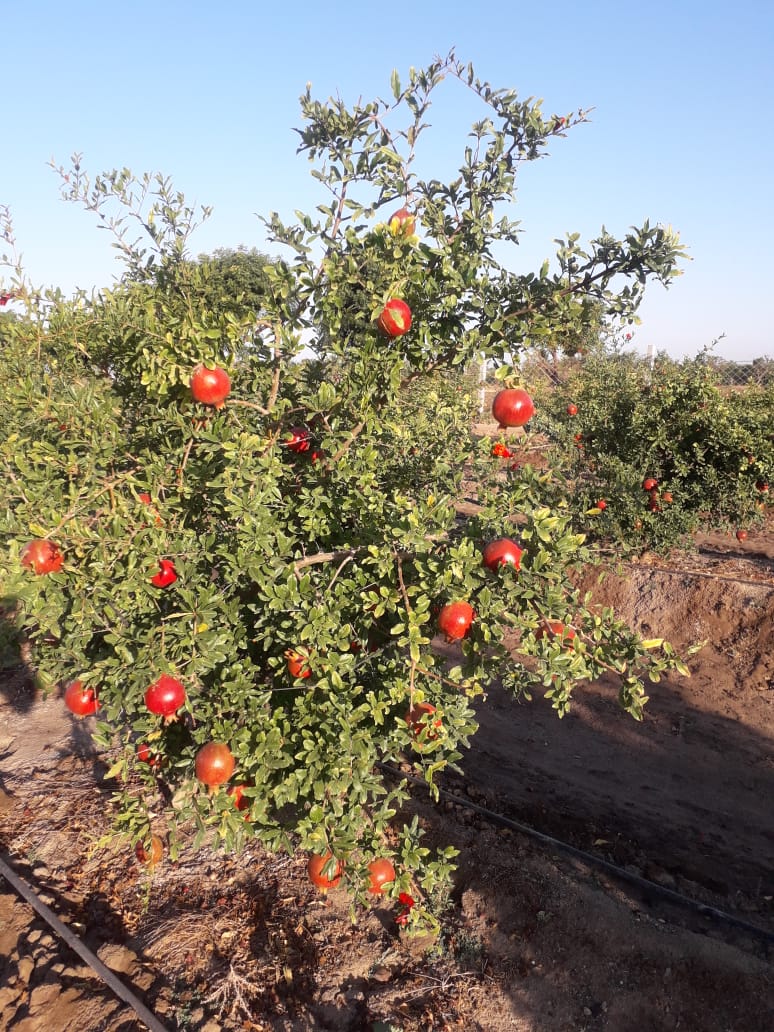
549,369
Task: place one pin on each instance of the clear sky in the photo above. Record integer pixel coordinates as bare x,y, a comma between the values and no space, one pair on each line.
207,93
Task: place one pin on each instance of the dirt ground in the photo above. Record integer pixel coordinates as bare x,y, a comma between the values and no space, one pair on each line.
534,939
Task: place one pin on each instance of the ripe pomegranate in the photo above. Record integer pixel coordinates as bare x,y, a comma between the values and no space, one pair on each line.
666,496
649,483
512,407
154,855
210,386
79,700
741,535
402,223
315,870
146,755
455,619
416,718
298,439
601,504
761,486
214,764
572,410
166,575
381,871
502,552
555,629
395,318
298,664
165,696
42,556
241,802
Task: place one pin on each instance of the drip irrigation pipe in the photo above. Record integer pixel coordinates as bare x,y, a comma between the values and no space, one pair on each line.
28,895
558,846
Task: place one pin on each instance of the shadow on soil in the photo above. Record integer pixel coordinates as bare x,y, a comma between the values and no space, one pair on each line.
684,794
53,983
17,683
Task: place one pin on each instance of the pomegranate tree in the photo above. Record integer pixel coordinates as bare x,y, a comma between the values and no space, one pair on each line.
258,501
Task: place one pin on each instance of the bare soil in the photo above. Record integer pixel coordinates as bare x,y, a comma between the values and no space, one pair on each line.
535,939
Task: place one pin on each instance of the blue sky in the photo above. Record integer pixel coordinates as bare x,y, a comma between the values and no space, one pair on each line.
208,94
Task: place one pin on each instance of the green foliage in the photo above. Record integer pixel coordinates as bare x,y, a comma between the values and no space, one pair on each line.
710,449
341,552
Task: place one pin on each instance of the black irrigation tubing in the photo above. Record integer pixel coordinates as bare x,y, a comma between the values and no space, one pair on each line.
558,846
28,894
